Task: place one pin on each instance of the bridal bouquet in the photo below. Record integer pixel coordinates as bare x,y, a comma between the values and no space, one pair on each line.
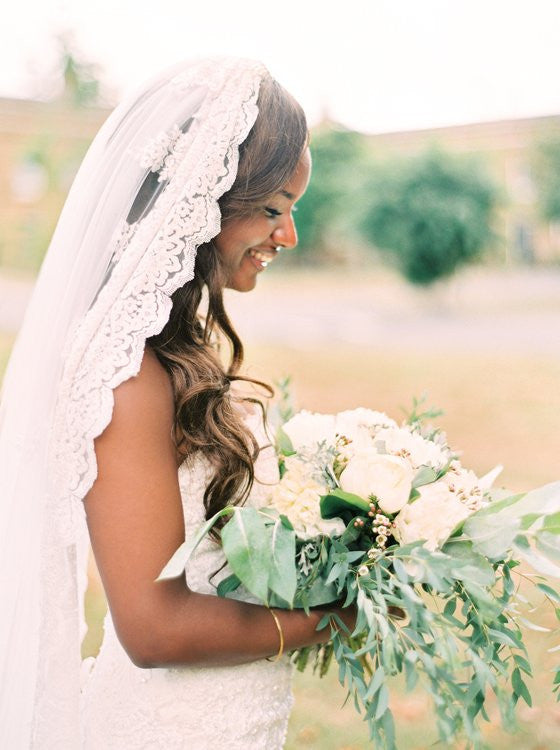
384,517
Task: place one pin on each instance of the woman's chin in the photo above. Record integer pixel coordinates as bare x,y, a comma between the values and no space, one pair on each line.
242,282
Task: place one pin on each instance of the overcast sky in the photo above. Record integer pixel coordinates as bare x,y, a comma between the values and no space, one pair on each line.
376,65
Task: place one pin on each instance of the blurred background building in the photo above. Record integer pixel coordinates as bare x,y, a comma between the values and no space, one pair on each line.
43,143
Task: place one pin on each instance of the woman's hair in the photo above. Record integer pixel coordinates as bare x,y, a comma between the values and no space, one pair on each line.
205,418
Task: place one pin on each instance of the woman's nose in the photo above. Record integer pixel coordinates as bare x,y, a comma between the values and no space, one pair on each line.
285,233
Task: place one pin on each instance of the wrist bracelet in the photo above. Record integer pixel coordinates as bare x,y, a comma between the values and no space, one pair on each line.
281,634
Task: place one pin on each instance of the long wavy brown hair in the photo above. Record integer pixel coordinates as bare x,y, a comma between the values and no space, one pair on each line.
205,417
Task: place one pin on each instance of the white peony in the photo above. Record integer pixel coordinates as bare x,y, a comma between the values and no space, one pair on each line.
468,487
419,451
432,517
297,496
389,478
354,421
307,429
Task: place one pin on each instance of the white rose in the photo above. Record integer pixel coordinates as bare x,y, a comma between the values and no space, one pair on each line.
389,478
419,450
297,496
306,429
432,517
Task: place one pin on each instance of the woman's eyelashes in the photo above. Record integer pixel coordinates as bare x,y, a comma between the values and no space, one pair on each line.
273,212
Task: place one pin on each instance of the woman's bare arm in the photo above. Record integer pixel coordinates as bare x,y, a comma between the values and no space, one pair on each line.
135,521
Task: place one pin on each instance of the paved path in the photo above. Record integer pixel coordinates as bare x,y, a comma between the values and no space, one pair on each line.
484,310
494,312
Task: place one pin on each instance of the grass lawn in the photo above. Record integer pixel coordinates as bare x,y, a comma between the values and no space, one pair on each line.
497,410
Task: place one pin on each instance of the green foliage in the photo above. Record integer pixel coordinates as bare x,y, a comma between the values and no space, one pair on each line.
460,647
447,620
329,204
416,416
430,214
245,545
260,548
81,84
337,503
285,407
546,166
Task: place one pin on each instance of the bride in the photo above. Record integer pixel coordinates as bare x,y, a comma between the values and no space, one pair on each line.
119,418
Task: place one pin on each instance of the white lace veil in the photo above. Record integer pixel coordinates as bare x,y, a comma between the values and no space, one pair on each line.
144,199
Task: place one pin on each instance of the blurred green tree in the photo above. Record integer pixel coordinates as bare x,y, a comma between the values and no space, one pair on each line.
81,82
327,211
546,168
430,214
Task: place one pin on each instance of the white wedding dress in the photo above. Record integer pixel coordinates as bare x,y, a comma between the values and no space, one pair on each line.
244,707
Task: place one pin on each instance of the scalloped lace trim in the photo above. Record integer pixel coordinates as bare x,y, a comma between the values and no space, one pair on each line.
151,260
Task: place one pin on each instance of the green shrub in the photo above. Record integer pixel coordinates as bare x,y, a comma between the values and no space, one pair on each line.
430,214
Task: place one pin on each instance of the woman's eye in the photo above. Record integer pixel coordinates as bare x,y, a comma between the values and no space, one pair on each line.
272,212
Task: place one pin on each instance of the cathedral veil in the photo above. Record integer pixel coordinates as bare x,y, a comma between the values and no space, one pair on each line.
145,198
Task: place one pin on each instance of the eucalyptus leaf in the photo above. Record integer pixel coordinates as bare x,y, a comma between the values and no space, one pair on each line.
318,593
544,500
338,501
424,475
548,544
520,687
539,560
246,546
501,504
177,564
286,522
376,682
365,606
382,702
515,512
488,607
351,533
466,563
283,578
534,626
283,443
491,534
227,585
550,592
502,637
551,524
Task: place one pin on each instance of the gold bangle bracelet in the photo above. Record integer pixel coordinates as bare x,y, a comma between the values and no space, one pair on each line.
281,634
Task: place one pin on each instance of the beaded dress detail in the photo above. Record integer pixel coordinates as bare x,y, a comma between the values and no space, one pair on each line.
244,707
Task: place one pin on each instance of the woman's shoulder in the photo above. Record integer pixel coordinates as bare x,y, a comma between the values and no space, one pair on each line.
153,376
137,448
146,398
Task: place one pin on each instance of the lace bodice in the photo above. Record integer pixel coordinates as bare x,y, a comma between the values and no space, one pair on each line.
240,708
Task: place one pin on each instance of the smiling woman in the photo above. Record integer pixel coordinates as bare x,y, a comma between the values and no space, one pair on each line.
247,245
116,402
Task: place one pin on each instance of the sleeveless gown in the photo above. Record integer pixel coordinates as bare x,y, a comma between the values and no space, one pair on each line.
243,707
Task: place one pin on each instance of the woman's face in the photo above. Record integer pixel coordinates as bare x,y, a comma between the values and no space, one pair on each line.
247,245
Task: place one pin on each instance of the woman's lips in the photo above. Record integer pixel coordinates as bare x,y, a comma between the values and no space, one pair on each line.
261,258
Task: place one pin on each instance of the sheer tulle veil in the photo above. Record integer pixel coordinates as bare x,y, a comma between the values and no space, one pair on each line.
145,198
